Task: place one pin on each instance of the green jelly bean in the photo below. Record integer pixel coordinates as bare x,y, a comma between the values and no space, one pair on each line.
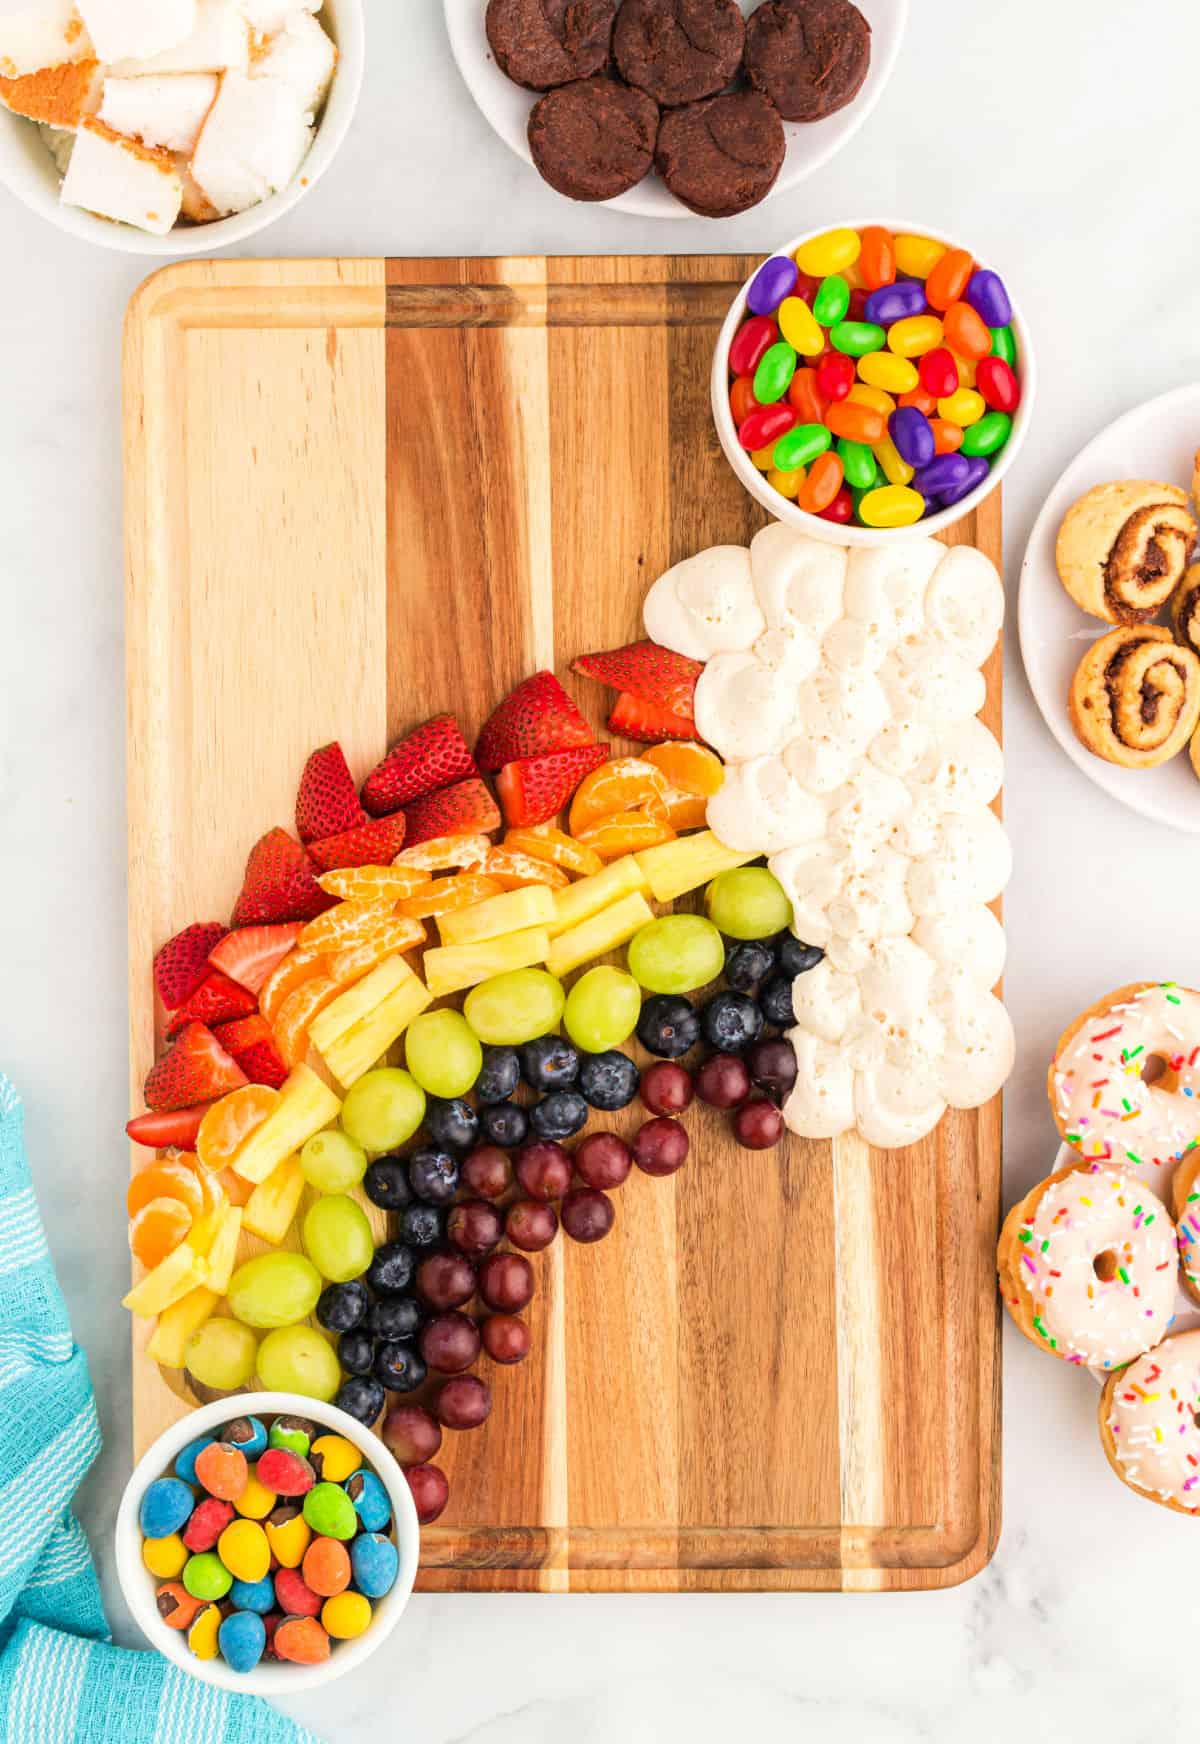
832,300
1004,345
206,1577
858,463
991,432
774,373
856,338
330,1512
800,446
856,496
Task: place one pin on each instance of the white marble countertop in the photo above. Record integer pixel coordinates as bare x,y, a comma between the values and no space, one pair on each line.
1059,137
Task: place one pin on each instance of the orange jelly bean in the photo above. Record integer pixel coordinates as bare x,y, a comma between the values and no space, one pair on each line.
949,278
947,437
822,484
966,333
855,422
877,259
806,397
921,400
741,398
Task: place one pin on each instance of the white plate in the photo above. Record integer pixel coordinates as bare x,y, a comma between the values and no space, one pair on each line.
809,144
1156,441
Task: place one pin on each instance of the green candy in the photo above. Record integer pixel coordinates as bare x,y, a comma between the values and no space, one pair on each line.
1004,345
287,1432
800,446
206,1577
832,300
990,433
330,1512
857,338
858,463
774,374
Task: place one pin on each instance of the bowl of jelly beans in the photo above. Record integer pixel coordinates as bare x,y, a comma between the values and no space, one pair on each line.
267,1543
872,381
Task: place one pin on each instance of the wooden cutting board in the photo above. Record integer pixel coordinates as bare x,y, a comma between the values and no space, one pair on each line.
361,492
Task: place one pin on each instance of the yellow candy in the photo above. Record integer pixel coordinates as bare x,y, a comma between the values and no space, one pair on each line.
963,408
892,505
831,252
883,369
256,1500
762,457
290,1540
202,1636
800,327
966,370
346,1616
895,468
863,395
787,483
918,255
915,335
340,1458
165,1557
244,1550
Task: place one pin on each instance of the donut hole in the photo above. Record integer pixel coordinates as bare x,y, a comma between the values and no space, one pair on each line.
1158,1072
1106,1265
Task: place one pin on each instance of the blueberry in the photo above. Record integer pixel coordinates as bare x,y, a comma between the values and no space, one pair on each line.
356,1352
361,1399
505,1124
668,1026
732,1021
796,958
398,1367
342,1307
559,1115
550,1063
608,1081
386,1184
433,1176
776,1001
453,1125
394,1317
390,1272
422,1225
748,965
499,1077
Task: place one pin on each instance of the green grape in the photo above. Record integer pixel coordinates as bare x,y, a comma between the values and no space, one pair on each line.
299,1359
676,953
331,1162
221,1354
748,903
602,1009
276,1289
383,1109
514,1008
443,1053
337,1238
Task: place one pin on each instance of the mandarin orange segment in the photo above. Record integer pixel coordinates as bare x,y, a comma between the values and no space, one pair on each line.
157,1229
374,883
171,1178
229,1123
627,833
400,934
237,1191
441,853
512,870
627,784
686,811
350,923
691,768
297,966
290,1028
447,893
546,842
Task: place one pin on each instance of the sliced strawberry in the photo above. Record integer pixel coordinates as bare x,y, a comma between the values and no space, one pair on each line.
536,718
433,756
216,1000
650,672
252,1044
195,1069
632,718
534,789
373,843
280,884
182,963
462,810
160,1131
327,802
248,954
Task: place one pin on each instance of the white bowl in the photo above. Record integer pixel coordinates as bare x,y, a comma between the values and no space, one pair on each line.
269,1677
835,534
28,170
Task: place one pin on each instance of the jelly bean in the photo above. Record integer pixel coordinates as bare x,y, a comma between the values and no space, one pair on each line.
326,1567
877,262
206,1577
883,369
989,434
285,1472
375,1562
296,1598
256,1595
288,1534
774,280
248,1433
912,434
835,377
774,373
949,278
800,446
759,430
947,437
988,297
823,483
329,1510
939,373
300,1640
896,302
202,1636
207,1523
840,509
966,334
1003,345
966,407
829,252
858,306
918,255
893,505
832,300
944,473
800,327
854,277
856,338
334,1458
862,395
242,1639
165,1557
371,1501
856,423
256,1500
346,1616
858,464
175,1605
966,367
763,457
915,335
807,396
977,470
222,1470
185,1462
892,463
998,385
297,1434
741,398
921,400
165,1506
746,349
806,288
244,1550
786,483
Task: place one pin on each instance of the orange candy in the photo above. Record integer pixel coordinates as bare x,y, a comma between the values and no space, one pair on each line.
965,332
512,870
301,1640
877,258
949,278
947,437
694,768
741,398
921,400
439,853
822,484
296,967
176,1606
626,784
172,1178
626,833
444,894
546,842
326,1567
855,422
806,397
290,1028
229,1123
157,1229
374,883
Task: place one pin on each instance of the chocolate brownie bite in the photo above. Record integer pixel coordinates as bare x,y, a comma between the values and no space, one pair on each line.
722,155
678,51
593,139
809,57
543,43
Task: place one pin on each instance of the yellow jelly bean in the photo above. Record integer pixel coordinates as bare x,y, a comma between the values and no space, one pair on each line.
787,483
963,408
833,251
892,505
895,468
873,397
800,327
244,1550
256,1500
915,335
165,1557
346,1616
202,1636
918,255
966,370
883,369
762,457
340,1459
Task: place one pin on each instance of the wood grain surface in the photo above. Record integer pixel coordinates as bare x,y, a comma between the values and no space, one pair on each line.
359,493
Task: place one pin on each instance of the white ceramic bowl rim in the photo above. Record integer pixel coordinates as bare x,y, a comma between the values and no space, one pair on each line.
269,1678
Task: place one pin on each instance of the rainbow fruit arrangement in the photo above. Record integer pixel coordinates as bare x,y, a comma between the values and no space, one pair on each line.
272,1113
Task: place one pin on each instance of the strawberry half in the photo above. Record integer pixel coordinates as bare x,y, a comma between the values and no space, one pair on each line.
535,789
433,756
534,719
327,802
160,1131
373,843
463,810
632,718
216,1000
650,672
248,954
251,1043
280,884
196,1069
182,963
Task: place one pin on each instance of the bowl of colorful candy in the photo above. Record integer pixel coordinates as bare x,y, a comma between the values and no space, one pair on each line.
871,382
267,1543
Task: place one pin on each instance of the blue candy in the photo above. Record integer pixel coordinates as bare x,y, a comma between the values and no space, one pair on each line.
370,1500
978,467
912,433
242,1639
165,1506
774,280
896,302
248,1433
185,1462
375,1563
256,1595
988,297
945,473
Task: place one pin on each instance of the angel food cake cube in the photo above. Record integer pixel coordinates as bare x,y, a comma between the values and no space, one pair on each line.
165,110
252,144
218,37
118,178
58,96
42,33
301,57
136,29
266,17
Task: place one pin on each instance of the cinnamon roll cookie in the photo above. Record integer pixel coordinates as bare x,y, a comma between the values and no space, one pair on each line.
1123,548
1185,610
1135,697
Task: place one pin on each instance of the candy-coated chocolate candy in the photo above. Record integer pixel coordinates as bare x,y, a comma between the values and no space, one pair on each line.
918,255
301,1640
786,483
877,260
244,1550
949,278
915,335
207,1523
242,1639
841,509
774,280
939,372
329,1511
294,1594
856,338
165,1557
296,1434
863,395
944,473
829,253
988,435
912,434
966,407
185,1462
206,1577
202,1635
773,376
749,343
921,400
835,376
741,398
370,1499
832,300
285,1472
998,385
288,1534
334,1458
892,505
176,1606
256,1500
978,468
800,446
987,296
271,1622
896,302
347,1615
892,463
766,426
1003,345
165,1506
856,423
222,1470
800,327
375,1562
947,437
326,1567
858,464
248,1433
807,397
822,484
256,1595
883,369
966,334
761,457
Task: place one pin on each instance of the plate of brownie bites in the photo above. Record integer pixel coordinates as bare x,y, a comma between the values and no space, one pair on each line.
669,108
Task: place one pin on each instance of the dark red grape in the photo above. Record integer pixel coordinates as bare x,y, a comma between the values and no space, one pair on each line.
660,1147
531,1225
603,1160
544,1169
666,1088
758,1125
506,1282
474,1227
773,1067
411,1434
430,1491
505,1338
446,1280
464,1403
487,1170
723,1081
587,1214
450,1343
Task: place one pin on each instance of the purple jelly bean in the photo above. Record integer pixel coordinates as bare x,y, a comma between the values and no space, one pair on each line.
978,467
912,433
896,302
988,297
941,475
774,280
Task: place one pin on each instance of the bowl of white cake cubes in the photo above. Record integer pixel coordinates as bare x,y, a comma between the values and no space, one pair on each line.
173,127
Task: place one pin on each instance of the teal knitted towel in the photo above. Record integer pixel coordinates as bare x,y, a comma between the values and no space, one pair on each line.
61,1682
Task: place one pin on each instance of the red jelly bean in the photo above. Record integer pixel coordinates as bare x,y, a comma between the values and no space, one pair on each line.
939,373
840,509
858,306
836,376
877,257
741,398
751,342
209,1519
806,288
766,425
285,1472
806,396
998,385
296,1597
965,332
222,1470
300,1640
